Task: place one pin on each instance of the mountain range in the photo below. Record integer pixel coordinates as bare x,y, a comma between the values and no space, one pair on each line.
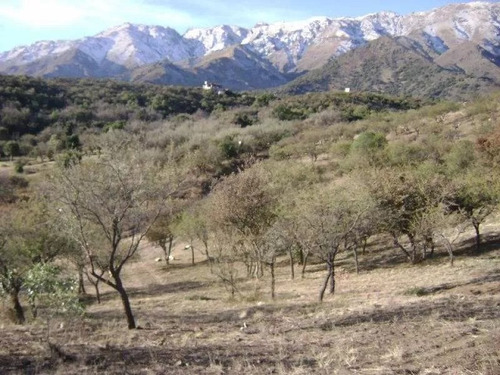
458,44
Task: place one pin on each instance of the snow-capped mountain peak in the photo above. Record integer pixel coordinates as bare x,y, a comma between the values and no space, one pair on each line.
289,46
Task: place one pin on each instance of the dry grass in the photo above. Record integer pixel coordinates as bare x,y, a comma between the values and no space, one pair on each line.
373,325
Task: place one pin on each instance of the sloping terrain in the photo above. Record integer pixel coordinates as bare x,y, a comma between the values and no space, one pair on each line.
398,66
435,319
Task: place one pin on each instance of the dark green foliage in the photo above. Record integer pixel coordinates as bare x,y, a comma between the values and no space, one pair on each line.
263,100
245,118
228,147
368,141
69,158
286,112
29,105
4,133
354,106
11,149
73,142
19,166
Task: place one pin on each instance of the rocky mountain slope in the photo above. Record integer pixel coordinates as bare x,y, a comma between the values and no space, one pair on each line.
400,66
266,55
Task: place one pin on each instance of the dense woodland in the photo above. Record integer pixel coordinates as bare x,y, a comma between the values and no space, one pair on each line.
246,179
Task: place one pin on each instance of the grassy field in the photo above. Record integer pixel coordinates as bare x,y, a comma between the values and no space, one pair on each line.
392,318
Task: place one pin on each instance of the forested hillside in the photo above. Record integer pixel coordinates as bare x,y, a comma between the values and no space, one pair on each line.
216,222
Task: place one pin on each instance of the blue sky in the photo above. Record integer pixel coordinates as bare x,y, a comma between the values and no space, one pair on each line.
27,21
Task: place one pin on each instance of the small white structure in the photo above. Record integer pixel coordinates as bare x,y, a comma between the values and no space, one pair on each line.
212,86
347,89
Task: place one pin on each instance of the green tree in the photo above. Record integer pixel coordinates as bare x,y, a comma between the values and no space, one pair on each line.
11,149
28,238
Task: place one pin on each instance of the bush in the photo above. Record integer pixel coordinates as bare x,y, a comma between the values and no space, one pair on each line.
369,141
286,112
246,118
228,147
19,166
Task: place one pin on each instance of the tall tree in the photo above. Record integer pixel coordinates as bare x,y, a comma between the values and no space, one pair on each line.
118,196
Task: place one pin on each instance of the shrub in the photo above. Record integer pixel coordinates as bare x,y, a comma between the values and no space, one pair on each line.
246,118
286,112
19,166
368,141
228,147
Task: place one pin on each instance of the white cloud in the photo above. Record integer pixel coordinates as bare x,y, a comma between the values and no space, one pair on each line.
66,13
37,13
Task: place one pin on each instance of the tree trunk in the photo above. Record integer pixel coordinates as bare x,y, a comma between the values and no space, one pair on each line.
97,292
301,255
292,265
95,282
273,279
410,256
365,241
18,316
325,284
449,247
205,244
413,258
304,264
126,302
356,261
81,284
332,277
478,235
169,251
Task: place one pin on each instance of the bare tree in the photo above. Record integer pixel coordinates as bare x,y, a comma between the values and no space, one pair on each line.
327,220
475,197
404,198
117,197
244,204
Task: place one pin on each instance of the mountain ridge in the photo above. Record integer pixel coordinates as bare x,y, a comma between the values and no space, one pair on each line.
281,51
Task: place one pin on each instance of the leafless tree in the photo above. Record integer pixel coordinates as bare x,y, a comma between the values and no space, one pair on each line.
117,197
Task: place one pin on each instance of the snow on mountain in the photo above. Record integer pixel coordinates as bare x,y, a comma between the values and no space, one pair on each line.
215,39
138,45
27,54
290,46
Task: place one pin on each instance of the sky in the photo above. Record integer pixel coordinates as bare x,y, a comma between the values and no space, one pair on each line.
24,22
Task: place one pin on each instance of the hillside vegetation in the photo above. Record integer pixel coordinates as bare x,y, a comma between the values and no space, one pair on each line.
325,233
401,66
